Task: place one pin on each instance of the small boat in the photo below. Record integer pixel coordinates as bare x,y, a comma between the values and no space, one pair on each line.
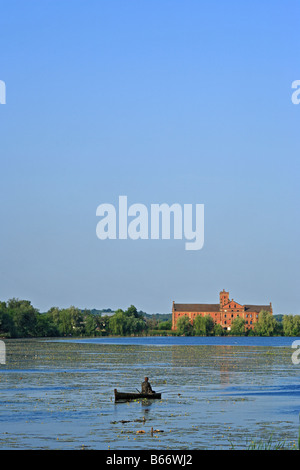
135,395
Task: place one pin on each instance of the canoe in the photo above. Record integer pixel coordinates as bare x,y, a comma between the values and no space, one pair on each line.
135,396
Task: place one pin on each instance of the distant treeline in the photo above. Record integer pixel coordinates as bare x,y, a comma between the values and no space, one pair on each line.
267,325
19,319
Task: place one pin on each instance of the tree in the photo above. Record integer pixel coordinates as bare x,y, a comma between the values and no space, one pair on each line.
291,325
45,326
7,326
218,330
199,326
76,319
184,326
117,323
64,322
288,325
209,325
132,312
266,325
296,325
165,325
90,325
203,326
103,325
69,321
126,323
238,327
53,315
24,316
134,325
151,323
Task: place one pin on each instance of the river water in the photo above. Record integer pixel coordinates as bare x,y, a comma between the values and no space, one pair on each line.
217,393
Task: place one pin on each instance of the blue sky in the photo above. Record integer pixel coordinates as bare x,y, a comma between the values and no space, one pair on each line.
162,101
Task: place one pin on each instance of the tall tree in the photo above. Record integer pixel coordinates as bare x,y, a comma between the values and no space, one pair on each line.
184,326
7,326
238,327
24,316
266,325
117,323
203,326
291,325
199,326
288,325
90,325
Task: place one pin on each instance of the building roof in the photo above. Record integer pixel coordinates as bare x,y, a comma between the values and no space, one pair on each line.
197,307
257,308
216,308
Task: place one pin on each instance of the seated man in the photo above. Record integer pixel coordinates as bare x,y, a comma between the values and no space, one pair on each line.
146,387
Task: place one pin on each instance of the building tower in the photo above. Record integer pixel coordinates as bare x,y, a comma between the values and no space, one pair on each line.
224,298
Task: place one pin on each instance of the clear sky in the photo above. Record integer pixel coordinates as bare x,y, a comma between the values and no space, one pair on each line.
163,101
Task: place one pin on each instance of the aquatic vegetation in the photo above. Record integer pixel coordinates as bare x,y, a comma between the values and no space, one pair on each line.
268,444
58,394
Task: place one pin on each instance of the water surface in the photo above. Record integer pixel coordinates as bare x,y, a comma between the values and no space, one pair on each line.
216,393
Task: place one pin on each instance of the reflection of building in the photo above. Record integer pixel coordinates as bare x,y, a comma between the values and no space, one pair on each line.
223,313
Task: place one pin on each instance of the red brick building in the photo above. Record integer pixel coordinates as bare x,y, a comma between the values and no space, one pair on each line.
222,313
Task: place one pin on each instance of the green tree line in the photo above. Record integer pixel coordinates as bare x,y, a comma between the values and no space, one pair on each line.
267,325
19,319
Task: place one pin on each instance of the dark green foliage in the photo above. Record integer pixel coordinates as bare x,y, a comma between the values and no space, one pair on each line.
128,322
184,326
19,319
266,325
238,327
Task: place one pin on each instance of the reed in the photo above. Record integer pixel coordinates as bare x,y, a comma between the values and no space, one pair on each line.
270,445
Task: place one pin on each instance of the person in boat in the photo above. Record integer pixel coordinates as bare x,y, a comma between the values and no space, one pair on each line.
146,386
